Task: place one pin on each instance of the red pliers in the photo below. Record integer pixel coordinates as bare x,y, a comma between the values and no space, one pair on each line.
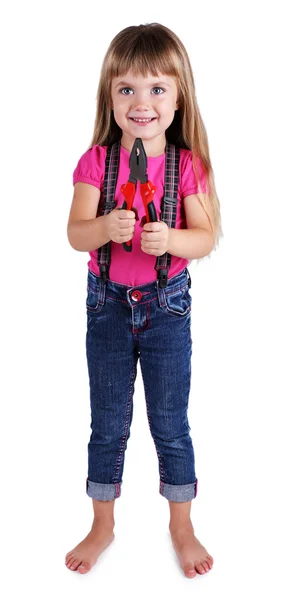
138,172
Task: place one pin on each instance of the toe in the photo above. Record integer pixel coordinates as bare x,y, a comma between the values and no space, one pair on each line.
200,568
69,561
73,564
205,565
84,567
68,557
189,570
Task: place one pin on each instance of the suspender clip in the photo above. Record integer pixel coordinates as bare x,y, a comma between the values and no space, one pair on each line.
162,278
104,273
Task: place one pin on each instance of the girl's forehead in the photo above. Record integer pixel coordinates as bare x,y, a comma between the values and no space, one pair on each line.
131,77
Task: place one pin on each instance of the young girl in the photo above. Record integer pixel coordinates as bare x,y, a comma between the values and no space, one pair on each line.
138,302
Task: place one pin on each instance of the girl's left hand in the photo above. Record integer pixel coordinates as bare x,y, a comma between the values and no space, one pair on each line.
154,238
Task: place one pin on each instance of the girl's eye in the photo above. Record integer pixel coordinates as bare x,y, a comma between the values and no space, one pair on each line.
158,88
126,88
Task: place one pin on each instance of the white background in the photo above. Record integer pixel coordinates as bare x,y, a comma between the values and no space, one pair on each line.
51,58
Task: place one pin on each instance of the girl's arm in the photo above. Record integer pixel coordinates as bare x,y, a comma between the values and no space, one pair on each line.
198,239
85,231
190,243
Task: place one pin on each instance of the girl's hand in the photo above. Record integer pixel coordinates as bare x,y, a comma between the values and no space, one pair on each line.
154,238
120,225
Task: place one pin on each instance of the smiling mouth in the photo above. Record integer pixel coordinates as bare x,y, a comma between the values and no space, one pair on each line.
137,120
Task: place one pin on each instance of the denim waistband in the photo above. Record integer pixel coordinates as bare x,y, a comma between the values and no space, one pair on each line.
146,292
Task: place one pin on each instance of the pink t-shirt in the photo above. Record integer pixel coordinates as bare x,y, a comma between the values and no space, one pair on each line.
136,267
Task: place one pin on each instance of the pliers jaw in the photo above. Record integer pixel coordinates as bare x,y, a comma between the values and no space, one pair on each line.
138,162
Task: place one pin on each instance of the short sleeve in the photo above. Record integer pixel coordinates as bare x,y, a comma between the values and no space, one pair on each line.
91,167
188,181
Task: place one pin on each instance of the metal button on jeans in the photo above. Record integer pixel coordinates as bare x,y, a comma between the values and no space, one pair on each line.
136,295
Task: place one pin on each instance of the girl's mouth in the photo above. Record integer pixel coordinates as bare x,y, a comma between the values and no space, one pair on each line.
141,122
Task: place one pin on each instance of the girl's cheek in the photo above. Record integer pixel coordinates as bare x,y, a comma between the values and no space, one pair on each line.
161,99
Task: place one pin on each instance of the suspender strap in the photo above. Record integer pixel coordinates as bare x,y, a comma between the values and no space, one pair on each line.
168,212
110,180
169,205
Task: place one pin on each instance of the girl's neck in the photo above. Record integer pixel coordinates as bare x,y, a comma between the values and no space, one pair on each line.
153,148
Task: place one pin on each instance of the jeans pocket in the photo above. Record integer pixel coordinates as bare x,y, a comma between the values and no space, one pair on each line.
92,300
179,302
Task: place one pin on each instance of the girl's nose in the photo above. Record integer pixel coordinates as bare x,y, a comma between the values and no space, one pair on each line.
141,101
140,107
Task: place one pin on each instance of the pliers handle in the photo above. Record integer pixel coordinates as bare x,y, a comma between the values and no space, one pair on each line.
138,171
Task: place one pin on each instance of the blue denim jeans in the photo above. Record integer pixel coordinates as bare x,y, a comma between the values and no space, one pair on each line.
152,324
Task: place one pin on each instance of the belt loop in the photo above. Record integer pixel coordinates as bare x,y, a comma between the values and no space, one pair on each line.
102,292
161,295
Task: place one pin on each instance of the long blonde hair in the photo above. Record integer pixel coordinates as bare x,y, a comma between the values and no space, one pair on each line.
153,48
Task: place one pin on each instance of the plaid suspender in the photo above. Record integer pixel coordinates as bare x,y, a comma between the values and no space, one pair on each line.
168,212
110,180
169,205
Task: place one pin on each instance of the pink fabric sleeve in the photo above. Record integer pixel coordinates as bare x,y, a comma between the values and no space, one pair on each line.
189,184
91,167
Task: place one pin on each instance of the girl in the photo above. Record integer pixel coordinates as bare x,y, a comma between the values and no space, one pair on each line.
138,303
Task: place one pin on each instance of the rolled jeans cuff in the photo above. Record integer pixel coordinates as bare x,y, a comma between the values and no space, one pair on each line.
103,491
179,493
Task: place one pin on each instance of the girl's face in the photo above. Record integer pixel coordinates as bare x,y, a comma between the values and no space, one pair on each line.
144,107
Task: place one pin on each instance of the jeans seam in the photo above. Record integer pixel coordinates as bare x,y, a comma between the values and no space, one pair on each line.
147,322
117,299
160,457
126,424
177,290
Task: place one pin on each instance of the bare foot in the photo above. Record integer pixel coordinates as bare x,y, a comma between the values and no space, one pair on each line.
193,557
85,555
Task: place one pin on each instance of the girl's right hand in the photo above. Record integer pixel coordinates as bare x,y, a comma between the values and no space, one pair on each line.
120,225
